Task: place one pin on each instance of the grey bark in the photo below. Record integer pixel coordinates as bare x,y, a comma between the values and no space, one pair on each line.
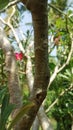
12,73
44,120
35,125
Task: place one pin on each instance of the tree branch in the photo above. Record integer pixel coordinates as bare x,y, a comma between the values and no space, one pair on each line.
9,5
8,23
57,9
53,76
57,69
29,74
57,99
11,68
69,57
60,11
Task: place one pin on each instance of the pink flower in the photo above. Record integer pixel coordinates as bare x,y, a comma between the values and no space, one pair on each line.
19,56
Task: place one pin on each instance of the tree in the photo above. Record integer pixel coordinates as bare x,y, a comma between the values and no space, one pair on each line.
41,78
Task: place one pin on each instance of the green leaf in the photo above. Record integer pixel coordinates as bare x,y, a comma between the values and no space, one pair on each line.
64,76
2,93
6,114
20,114
5,103
71,93
3,3
6,110
68,72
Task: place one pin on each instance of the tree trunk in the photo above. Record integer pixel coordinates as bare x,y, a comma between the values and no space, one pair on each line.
41,113
41,79
12,75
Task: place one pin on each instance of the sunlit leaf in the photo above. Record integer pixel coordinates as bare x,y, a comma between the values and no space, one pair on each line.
64,76
68,72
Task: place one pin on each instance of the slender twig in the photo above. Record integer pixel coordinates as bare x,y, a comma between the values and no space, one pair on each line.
60,11
8,23
57,69
68,59
57,9
53,76
9,5
57,99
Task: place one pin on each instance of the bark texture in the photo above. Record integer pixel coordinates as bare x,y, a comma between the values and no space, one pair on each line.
40,24
41,79
41,118
12,75
11,70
